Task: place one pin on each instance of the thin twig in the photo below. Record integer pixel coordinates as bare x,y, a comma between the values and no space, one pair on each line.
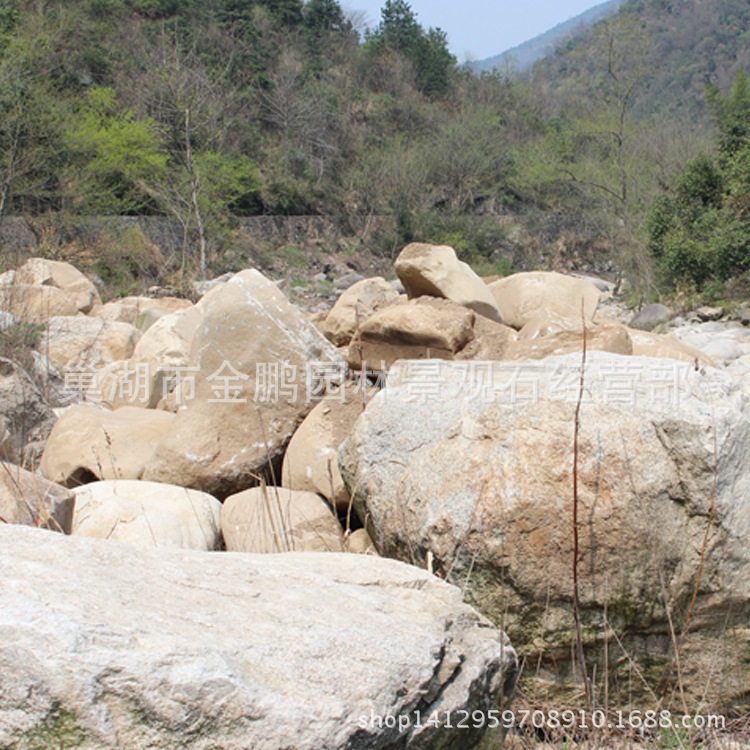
576,596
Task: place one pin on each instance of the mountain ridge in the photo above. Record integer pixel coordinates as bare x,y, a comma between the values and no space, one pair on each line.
524,55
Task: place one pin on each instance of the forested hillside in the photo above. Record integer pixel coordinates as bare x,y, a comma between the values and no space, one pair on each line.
209,111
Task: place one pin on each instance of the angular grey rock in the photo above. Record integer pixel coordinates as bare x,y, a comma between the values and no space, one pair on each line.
476,469
133,648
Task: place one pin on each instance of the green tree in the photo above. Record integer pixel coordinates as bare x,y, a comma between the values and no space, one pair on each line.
114,156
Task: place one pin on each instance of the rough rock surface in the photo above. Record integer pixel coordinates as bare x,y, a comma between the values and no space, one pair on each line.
104,645
355,306
523,295
64,276
148,514
34,303
29,499
251,355
424,328
276,519
479,473
549,333
84,343
435,270
311,458
151,373
25,417
87,444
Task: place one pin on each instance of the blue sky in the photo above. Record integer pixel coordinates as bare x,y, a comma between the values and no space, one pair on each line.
481,28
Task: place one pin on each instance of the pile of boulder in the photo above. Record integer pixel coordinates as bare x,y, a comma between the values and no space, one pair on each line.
429,420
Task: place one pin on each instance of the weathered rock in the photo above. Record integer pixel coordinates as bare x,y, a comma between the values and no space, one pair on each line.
424,328
252,355
154,369
547,333
87,444
117,646
128,309
490,341
651,316
148,514
356,305
86,343
721,341
31,500
35,304
311,458
64,276
647,344
435,270
523,295
276,519
480,475
25,417
707,313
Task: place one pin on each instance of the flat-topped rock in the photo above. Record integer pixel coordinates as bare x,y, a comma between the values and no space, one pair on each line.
118,646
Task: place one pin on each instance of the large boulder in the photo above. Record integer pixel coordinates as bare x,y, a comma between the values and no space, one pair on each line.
479,476
424,328
87,444
31,500
436,271
63,276
150,375
355,306
256,360
311,459
276,519
148,514
523,295
114,646
33,303
26,418
86,343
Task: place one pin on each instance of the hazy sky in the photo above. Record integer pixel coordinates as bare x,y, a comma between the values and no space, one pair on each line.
482,28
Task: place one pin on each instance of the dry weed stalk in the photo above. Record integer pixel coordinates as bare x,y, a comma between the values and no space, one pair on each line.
576,552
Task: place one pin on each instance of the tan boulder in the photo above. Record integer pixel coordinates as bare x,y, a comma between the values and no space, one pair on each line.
648,344
548,333
64,276
311,458
86,343
148,514
276,519
523,295
33,303
155,367
128,309
31,500
252,356
424,328
436,271
87,444
355,306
